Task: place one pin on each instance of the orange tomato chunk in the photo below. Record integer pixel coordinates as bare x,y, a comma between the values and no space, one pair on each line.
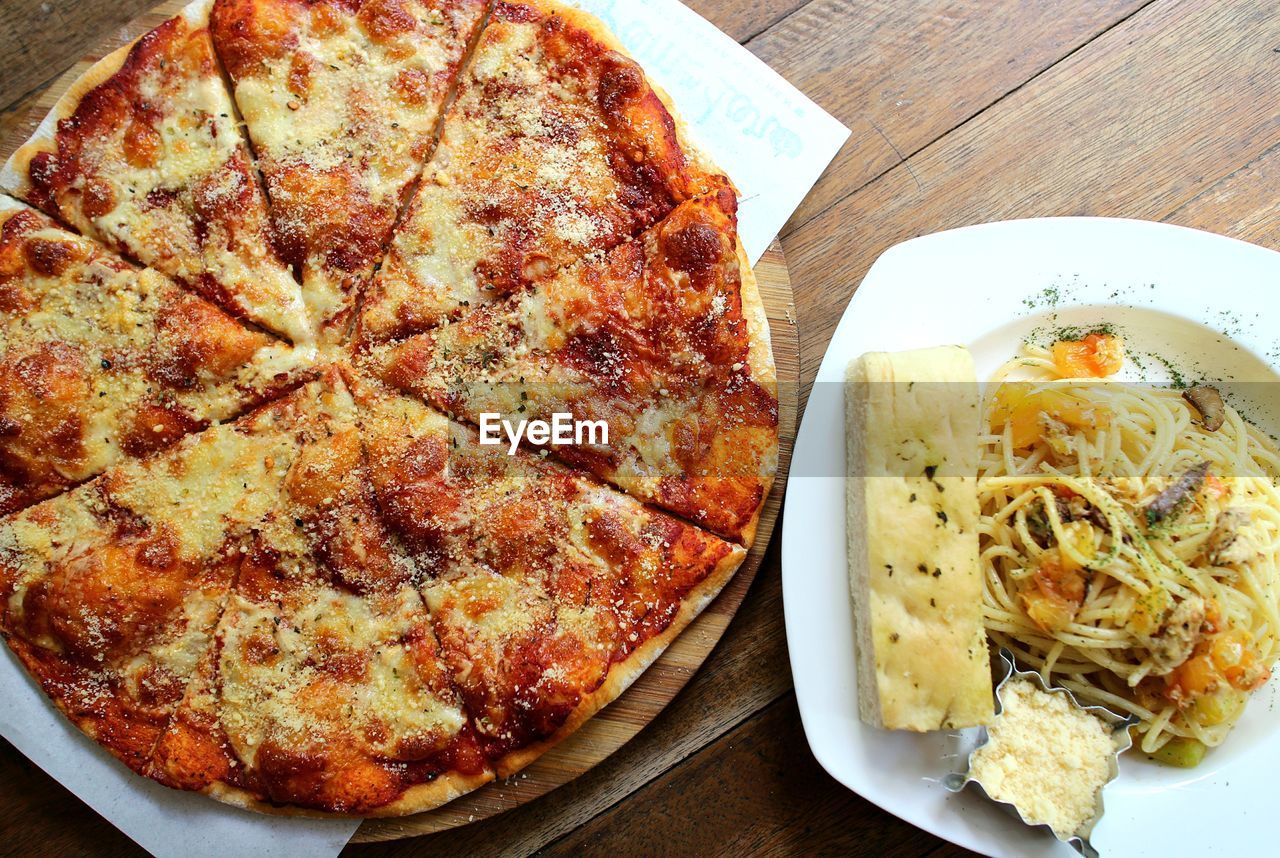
1095,356
1020,405
1056,598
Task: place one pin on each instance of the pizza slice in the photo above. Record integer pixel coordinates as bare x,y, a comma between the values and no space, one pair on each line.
557,146
328,691
548,593
322,700
341,99
99,361
144,153
663,338
109,594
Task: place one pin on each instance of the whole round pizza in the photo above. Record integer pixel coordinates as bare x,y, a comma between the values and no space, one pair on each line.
382,387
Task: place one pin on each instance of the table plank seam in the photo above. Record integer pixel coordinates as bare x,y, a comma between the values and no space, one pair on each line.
795,10
793,225
709,747
40,87
1209,187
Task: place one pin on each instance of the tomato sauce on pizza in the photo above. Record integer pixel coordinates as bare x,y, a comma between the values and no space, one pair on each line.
250,540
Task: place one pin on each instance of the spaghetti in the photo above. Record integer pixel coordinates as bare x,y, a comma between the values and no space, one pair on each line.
1129,553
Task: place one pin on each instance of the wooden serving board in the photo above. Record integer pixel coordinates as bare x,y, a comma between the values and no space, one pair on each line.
626,716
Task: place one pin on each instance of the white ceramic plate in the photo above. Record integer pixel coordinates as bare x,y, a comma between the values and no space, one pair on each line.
1206,304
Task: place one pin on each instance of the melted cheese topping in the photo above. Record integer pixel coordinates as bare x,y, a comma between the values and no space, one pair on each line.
218,486
492,608
180,655
537,166
342,121
259,619
99,360
123,580
649,337
175,187
286,693
226,480
537,580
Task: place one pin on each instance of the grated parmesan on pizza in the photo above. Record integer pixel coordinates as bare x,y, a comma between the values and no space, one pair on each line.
556,147
145,154
340,100
245,544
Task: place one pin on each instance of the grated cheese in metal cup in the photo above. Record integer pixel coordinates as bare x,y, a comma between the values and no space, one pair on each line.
1046,757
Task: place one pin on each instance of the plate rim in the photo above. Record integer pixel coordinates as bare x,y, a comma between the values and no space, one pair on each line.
831,364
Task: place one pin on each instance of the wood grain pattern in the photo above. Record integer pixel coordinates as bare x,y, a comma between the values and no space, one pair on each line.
40,38
761,772
744,19
19,120
922,67
1159,132
1241,205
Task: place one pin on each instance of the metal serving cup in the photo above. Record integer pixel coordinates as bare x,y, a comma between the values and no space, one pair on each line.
1120,738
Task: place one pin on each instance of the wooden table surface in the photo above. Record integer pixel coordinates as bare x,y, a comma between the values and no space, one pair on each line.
962,111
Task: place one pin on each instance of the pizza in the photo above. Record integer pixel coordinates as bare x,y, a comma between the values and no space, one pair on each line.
254,540
323,687
143,154
557,146
111,600
659,337
549,592
360,612
340,98
100,361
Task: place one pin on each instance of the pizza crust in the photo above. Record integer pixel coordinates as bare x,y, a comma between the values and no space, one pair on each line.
594,27
132,745
763,369
14,175
417,799
625,672
451,785
760,356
